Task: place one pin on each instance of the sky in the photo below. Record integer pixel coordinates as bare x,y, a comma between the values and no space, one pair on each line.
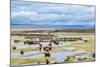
35,13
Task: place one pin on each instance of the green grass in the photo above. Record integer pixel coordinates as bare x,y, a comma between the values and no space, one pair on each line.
29,61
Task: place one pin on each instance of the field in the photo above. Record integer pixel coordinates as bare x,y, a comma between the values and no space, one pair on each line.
44,33
49,47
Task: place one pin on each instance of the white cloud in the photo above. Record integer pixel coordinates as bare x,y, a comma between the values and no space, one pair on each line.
41,13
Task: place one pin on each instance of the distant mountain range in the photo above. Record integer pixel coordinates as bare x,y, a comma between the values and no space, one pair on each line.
55,28
50,26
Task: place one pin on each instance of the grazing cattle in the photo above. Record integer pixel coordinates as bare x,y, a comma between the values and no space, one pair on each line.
21,52
30,42
80,38
40,47
47,54
56,42
46,49
50,46
16,41
14,48
93,55
67,59
47,61
85,40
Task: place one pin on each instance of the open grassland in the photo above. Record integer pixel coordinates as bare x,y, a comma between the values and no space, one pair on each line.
30,61
88,46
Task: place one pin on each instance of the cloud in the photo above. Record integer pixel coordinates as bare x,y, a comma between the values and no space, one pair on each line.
51,14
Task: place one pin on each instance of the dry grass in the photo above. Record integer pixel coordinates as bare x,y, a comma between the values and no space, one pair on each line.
87,46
